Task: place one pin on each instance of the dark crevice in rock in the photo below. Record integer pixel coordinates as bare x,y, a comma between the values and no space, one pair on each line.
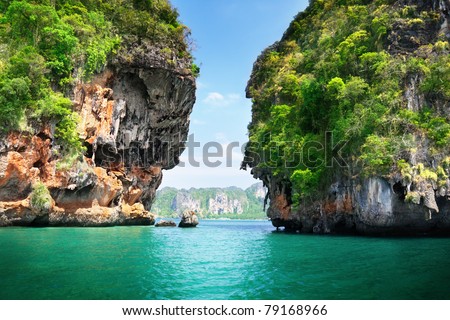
44,136
41,221
400,190
38,164
89,150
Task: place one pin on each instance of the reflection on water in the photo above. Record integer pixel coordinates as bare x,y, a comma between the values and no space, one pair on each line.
217,260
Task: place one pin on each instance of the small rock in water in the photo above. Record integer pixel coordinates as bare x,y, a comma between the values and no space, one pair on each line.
188,220
165,223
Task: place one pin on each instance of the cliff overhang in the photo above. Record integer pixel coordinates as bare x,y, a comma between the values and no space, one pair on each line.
134,120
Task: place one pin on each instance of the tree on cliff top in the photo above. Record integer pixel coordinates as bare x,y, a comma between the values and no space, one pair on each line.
344,66
48,45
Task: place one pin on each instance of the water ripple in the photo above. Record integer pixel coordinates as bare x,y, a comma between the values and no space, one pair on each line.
217,260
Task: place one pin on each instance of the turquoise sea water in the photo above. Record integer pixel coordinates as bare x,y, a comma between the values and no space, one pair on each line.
218,260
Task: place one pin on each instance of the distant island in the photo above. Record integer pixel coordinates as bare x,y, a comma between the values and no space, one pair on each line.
212,203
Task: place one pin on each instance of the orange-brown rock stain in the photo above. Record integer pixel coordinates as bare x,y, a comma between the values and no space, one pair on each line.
282,206
107,188
132,195
344,205
96,108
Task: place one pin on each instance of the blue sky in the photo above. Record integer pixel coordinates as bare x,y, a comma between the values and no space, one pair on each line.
228,36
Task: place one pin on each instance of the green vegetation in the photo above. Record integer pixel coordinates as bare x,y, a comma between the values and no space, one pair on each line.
195,70
163,202
337,71
47,46
40,198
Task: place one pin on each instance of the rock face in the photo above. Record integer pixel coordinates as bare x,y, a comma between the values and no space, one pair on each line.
188,220
370,207
135,119
412,198
221,204
184,201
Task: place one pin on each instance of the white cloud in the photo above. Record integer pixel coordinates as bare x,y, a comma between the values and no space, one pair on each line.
214,98
217,99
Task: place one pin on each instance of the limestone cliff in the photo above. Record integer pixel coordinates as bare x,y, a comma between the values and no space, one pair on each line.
367,75
134,119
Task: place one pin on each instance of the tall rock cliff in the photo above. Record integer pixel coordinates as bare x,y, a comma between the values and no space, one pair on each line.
133,121
351,119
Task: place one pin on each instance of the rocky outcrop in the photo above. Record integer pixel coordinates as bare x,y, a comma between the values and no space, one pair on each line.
373,206
414,196
165,223
188,220
134,121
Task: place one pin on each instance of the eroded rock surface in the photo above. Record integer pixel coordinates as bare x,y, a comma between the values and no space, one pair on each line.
410,197
188,220
134,121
